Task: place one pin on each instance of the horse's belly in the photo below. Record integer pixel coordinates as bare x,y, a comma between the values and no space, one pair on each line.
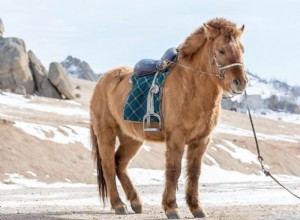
135,130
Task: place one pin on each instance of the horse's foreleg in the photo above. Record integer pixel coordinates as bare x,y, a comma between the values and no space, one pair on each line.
195,154
127,149
175,149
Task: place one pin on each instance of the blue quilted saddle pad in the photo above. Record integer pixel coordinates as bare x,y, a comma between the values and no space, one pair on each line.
135,107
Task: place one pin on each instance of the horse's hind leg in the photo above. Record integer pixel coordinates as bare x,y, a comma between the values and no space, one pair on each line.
106,133
127,149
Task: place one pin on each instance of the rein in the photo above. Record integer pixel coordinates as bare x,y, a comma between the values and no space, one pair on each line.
220,74
260,158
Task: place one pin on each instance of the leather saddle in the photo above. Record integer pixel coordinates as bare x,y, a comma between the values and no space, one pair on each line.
149,66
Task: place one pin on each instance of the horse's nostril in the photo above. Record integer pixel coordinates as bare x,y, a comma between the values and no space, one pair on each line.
236,82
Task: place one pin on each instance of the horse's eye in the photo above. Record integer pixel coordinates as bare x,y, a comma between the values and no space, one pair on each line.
222,51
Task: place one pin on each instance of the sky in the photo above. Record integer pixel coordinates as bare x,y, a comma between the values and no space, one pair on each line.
112,33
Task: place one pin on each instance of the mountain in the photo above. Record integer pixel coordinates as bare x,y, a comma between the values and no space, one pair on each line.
264,96
79,69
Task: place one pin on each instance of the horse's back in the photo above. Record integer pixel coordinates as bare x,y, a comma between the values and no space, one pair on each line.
112,84
109,97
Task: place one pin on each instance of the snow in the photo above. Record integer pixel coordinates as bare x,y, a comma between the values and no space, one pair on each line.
281,116
242,154
17,181
146,147
232,130
61,134
18,101
31,173
214,162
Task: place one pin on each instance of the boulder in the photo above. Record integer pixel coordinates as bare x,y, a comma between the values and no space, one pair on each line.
20,90
14,68
42,83
58,77
1,28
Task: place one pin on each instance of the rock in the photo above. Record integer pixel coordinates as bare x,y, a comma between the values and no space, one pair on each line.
20,90
14,68
42,83
1,28
58,77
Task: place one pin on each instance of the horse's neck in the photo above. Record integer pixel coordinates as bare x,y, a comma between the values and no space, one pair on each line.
202,84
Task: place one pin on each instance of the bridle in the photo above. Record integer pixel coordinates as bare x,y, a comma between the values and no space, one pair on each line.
221,68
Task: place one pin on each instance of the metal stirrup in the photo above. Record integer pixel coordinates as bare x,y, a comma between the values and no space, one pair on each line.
154,89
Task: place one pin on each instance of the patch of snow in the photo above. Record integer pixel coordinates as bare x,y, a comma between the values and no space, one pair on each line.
214,162
141,176
11,99
281,116
63,134
227,129
18,101
73,68
17,181
146,148
242,154
31,173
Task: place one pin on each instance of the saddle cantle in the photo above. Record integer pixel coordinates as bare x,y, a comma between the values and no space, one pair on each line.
149,66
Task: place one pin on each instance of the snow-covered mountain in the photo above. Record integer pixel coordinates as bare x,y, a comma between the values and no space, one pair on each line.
79,69
264,96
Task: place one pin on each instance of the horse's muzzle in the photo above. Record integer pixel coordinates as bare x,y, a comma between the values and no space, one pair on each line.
238,86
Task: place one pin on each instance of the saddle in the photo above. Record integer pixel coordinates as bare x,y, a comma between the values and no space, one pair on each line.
149,66
144,100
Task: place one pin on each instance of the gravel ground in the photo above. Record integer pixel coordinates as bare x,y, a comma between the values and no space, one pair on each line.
230,202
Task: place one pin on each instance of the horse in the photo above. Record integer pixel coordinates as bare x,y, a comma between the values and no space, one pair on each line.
209,66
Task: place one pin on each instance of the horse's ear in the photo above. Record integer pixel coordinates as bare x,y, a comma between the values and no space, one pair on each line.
210,32
241,30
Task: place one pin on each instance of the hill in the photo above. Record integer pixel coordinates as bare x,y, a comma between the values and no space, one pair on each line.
48,140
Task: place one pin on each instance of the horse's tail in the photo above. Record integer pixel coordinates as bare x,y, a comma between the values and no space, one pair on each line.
97,158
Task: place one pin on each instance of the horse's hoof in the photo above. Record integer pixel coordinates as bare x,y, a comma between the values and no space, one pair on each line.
199,214
172,215
137,208
122,210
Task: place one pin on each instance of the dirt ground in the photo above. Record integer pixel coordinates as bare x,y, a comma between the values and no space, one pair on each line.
83,203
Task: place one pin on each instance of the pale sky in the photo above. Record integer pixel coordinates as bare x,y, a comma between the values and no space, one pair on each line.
111,33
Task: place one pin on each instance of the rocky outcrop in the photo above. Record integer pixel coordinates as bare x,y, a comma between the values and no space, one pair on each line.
23,73
14,68
79,69
58,77
40,75
1,28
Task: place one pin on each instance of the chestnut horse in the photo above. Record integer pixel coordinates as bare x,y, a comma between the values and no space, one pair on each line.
210,64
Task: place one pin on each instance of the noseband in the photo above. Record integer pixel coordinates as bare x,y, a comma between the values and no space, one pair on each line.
222,68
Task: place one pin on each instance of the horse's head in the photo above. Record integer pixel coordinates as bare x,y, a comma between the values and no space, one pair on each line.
227,54
216,49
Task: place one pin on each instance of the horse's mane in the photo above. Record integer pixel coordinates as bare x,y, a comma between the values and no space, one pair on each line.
194,42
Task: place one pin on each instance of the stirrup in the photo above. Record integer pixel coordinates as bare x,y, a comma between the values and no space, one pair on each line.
147,125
